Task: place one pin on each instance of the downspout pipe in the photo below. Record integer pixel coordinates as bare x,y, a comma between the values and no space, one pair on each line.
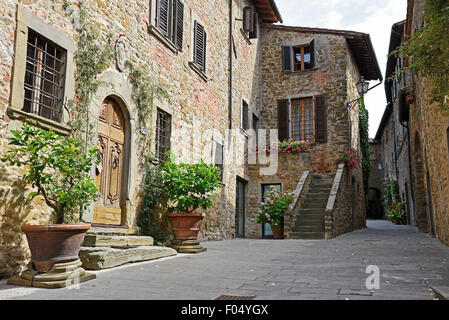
230,67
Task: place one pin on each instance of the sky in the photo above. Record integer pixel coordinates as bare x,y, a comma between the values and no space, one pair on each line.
370,16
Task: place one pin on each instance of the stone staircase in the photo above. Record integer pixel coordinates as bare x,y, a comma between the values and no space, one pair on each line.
309,218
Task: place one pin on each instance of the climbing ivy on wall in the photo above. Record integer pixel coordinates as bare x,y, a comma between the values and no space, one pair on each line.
94,55
364,144
428,50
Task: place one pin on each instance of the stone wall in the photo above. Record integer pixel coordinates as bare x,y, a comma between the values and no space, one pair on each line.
199,107
289,171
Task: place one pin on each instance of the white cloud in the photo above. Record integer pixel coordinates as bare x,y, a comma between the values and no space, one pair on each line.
373,17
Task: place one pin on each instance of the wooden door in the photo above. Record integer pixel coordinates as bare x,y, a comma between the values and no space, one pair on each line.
240,209
109,173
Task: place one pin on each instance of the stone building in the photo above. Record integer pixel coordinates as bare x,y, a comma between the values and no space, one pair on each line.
393,131
221,63
414,137
375,207
429,143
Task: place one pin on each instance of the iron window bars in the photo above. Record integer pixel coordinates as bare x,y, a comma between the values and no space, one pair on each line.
44,77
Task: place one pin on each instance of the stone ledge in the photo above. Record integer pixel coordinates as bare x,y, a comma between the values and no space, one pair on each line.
98,258
94,240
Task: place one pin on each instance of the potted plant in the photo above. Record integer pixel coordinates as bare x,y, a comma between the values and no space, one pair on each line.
397,213
272,210
188,187
59,171
347,158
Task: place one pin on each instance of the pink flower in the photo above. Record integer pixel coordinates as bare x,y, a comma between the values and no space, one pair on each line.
262,204
276,224
276,196
268,199
272,202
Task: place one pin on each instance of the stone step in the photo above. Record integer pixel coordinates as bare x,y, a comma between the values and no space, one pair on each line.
307,229
311,217
322,182
310,211
314,205
98,240
317,196
98,258
315,200
307,235
319,189
309,223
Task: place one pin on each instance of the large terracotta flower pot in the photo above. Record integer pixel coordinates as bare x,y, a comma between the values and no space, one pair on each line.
55,243
277,232
186,225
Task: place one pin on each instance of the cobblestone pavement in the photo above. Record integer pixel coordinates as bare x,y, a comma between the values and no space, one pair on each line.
409,263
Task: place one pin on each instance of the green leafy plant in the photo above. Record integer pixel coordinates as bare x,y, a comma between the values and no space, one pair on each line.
58,167
273,208
428,49
364,146
189,186
390,192
397,213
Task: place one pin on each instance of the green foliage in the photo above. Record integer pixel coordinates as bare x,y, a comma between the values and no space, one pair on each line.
57,167
347,158
390,193
94,55
189,186
428,49
364,145
150,220
397,212
272,210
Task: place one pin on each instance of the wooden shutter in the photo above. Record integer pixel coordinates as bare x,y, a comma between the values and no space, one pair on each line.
219,157
283,116
162,17
248,18
245,110
287,59
178,23
320,119
312,54
253,34
199,52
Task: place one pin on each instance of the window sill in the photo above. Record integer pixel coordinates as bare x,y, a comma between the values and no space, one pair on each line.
38,121
198,70
301,71
155,32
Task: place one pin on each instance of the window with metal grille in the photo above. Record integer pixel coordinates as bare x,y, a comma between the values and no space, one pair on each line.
163,133
44,77
302,119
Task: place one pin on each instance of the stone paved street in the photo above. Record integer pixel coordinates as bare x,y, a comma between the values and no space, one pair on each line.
409,262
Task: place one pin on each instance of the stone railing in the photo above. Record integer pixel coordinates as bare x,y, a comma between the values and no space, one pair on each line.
300,192
338,208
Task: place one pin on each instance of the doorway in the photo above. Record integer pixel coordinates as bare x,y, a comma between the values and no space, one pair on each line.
109,172
240,203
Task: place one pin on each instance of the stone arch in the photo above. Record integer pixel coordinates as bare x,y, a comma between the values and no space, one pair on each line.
375,207
117,88
418,180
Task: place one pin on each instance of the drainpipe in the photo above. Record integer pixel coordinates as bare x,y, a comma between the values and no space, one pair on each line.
230,67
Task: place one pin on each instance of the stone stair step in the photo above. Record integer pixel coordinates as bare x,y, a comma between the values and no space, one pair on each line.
308,211
311,217
307,235
98,258
309,223
98,240
307,229
322,182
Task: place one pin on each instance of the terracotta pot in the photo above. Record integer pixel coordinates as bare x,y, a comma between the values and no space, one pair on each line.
186,225
277,232
55,243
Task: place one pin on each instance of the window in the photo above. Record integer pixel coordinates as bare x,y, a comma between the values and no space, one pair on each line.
256,127
245,121
250,22
199,47
44,77
298,58
163,133
169,21
218,157
302,119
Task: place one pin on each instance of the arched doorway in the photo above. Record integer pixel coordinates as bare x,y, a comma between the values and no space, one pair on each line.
375,207
109,173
